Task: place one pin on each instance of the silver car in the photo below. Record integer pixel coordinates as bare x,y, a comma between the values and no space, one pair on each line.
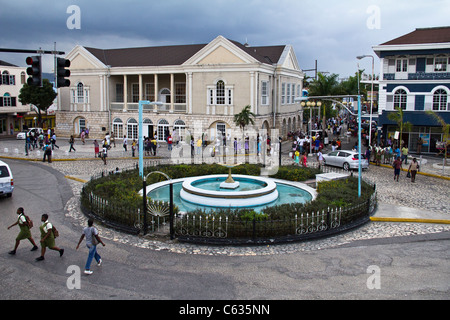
6,180
345,159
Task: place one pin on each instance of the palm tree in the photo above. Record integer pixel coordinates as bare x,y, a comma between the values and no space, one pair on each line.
244,118
398,118
445,130
325,86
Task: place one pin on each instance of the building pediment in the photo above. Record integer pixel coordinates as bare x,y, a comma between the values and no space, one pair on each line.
288,59
220,51
81,59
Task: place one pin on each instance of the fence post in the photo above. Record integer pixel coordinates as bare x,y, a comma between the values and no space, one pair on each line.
254,227
328,219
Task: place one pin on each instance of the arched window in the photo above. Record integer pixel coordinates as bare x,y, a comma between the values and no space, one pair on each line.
180,127
7,102
132,129
400,99
440,100
118,128
5,77
220,92
80,92
163,129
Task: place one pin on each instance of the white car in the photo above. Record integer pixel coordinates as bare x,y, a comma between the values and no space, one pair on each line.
6,180
345,159
22,135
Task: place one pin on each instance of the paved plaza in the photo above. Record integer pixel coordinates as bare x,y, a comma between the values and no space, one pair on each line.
413,204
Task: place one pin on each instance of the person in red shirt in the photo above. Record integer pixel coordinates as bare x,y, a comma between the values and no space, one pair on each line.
397,166
169,142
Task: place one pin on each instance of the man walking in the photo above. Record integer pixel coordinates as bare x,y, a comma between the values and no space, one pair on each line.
125,143
92,239
47,238
24,224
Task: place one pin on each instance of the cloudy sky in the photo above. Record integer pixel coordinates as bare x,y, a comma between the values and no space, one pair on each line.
331,32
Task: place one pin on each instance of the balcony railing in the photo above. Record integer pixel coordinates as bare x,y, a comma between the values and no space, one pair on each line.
420,76
132,106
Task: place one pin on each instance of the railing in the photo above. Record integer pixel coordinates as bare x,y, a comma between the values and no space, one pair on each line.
420,76
165,107
223,229
200,228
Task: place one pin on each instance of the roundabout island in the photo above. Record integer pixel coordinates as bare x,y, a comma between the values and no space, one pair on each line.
260,210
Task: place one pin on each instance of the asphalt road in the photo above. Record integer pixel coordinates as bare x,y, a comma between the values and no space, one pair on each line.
414,267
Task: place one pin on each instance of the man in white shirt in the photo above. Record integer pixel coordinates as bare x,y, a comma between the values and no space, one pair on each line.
320,158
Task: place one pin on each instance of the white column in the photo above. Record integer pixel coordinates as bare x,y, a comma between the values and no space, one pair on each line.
172,91
102,88
155,77
141,96
190,92
125,93
252,91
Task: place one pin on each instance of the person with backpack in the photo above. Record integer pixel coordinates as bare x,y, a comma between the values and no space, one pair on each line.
25,224
92,240
48,235
47,152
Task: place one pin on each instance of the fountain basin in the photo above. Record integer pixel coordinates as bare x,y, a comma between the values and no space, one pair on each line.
288,192
208,191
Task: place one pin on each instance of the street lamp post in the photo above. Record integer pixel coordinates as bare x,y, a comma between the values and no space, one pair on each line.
371,95
333,98
310,105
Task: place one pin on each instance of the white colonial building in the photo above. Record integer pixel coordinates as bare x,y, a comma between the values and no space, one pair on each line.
12,112
205,83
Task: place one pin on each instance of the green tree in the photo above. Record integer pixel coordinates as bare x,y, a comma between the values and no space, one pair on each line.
325,86
397,117
445,130
244,118
41,97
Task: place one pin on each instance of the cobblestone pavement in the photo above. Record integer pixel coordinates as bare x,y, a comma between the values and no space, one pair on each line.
428,193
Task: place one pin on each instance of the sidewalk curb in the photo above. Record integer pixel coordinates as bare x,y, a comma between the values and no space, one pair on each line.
79,159
76,179
382,219
419,172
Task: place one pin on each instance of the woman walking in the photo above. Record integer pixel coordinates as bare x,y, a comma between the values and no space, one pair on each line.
92,239
24,224
413,167
47,238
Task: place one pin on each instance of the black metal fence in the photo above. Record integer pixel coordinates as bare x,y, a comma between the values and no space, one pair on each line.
221,230
214,229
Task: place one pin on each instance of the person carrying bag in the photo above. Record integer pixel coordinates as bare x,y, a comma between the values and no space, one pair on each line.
92,240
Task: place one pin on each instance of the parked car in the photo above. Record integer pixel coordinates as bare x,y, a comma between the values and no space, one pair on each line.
6,180
22,135
345,159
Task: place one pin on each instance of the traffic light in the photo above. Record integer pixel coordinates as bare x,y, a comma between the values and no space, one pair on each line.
34,71
62,72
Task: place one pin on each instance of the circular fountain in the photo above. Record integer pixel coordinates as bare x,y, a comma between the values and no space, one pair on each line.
209,191
227,191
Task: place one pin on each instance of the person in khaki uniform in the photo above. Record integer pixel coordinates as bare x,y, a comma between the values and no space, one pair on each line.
47,238
24,233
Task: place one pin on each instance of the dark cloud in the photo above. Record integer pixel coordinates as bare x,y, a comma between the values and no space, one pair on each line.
332,32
